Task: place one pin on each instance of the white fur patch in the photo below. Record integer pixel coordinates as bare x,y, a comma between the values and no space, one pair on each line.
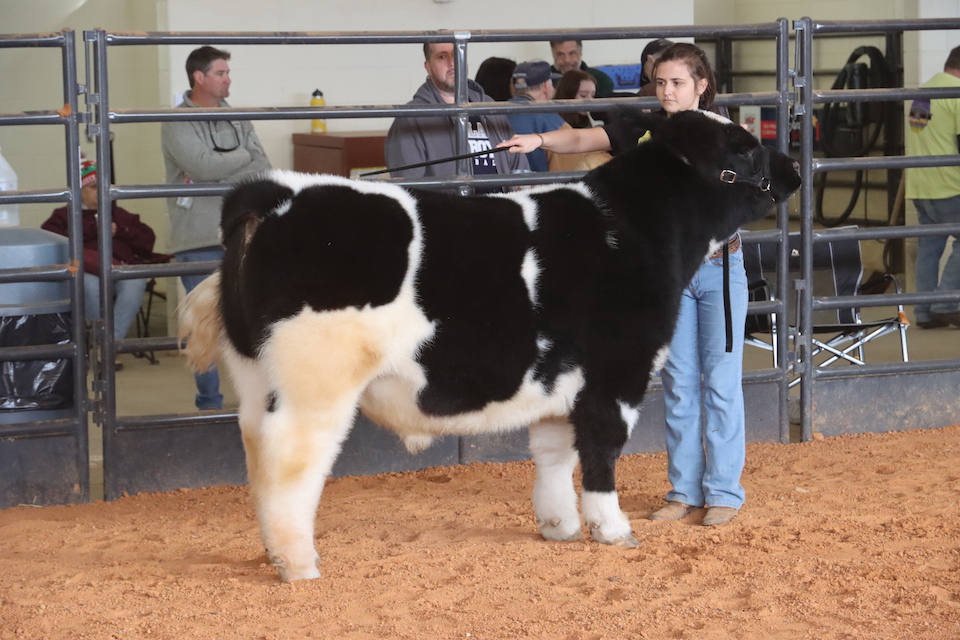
543,343
530,271
283,208
660,359
629,414
716,116
606,521
554,496
715,245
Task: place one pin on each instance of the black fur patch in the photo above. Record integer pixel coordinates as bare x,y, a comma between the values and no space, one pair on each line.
470,283
333,248
271,402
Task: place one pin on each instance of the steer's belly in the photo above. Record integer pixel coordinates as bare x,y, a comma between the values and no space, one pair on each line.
391,400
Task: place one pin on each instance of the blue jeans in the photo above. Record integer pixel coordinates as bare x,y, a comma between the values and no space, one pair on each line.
929,251
208,383
703,392
128,296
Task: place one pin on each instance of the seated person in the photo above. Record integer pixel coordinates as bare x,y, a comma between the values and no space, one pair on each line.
416,139
533,82
576,85
132,244
495,75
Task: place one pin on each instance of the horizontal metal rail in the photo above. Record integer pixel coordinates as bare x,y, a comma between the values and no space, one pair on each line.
125,38
120,115
835,27
39,429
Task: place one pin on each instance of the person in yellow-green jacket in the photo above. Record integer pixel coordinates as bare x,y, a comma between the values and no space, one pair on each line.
935,131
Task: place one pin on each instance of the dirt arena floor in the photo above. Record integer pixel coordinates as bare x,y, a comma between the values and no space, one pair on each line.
849,537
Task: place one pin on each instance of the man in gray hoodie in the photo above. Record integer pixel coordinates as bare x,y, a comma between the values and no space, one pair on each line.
212,151
418,139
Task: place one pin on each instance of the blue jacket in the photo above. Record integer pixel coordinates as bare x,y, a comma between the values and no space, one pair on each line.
535,123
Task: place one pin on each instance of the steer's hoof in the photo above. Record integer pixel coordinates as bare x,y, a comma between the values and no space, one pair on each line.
290,572
626,541
555,529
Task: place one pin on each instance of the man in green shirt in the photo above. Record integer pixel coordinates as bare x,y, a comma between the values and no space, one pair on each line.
935,191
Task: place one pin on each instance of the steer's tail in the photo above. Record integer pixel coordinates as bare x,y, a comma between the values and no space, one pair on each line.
200,323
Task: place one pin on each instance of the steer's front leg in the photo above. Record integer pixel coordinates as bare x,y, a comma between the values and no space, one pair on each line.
600,436
554,497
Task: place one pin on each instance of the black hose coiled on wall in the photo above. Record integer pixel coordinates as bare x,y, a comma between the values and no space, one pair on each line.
862,122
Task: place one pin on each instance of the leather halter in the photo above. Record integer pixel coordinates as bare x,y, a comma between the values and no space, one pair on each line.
759,180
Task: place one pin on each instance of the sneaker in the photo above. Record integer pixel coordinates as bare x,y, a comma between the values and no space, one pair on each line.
673,511
948,318
719,515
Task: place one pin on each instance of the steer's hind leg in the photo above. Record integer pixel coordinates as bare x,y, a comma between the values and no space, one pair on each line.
554,497
600,436
318,366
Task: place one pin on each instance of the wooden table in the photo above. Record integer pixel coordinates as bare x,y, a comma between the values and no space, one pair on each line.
339,152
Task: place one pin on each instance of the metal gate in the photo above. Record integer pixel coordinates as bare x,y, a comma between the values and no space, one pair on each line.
163,452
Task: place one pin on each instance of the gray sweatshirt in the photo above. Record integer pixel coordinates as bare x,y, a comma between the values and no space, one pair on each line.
190,154
412,140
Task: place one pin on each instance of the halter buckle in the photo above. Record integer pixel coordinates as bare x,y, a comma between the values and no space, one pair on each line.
728,176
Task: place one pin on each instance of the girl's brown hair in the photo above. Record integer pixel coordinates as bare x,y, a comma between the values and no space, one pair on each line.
567,89
698,66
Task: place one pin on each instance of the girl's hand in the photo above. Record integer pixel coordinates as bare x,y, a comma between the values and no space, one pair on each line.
523,143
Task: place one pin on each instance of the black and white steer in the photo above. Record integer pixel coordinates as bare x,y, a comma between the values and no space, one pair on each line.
438,314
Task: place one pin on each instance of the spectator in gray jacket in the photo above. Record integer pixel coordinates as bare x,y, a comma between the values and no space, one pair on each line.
205,151
418,139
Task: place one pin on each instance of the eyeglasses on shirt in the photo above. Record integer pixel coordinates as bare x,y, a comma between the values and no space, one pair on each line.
224,138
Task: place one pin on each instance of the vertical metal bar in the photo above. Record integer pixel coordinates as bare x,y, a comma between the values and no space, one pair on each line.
461,96
783,220
108,408
78,329
893,145
803,343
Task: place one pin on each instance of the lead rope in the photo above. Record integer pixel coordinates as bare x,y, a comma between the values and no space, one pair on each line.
727,316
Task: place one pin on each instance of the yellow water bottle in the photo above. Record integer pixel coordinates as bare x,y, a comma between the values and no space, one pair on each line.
318,126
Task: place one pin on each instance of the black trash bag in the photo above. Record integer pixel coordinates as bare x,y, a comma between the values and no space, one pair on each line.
35,384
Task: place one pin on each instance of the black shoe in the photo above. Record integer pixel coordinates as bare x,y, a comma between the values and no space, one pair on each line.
932,324
948,318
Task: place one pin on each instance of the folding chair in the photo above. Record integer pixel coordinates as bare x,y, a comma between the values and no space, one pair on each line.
839,335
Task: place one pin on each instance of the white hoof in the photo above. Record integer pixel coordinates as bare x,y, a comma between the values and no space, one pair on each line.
557,529
624,542
290,572
607,523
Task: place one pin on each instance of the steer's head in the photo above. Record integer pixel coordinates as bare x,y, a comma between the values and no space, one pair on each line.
720,151
727,152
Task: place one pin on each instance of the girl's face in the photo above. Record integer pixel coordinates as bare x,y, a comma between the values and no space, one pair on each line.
587,91
677,90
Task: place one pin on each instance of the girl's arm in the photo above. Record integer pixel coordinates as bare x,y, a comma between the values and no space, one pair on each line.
561,141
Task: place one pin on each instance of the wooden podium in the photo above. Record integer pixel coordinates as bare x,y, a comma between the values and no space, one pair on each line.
339,152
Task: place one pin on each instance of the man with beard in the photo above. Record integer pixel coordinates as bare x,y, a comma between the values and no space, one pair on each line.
419,139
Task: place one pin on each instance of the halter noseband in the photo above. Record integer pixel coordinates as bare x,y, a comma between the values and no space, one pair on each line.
759,180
